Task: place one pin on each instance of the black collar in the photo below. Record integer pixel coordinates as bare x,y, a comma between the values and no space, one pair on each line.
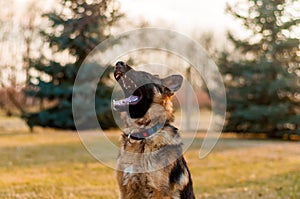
145,133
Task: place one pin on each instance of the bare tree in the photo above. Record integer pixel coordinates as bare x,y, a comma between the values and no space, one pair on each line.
18,43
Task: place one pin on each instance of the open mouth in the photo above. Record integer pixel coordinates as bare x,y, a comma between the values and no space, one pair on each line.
133,94
130,100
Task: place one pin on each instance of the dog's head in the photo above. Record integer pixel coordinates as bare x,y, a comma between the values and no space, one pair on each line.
143,90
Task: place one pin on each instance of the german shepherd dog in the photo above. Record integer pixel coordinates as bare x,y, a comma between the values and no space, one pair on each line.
150,162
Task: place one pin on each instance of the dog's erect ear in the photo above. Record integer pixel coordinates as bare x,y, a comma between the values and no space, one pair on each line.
173,82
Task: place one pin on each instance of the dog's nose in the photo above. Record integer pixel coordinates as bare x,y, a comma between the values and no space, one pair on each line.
121,66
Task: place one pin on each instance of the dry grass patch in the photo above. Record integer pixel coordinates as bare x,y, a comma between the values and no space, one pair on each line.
54,164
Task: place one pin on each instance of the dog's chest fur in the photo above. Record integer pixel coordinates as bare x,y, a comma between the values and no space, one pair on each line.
154,167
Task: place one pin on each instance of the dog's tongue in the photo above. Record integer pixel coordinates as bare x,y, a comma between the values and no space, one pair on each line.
131,100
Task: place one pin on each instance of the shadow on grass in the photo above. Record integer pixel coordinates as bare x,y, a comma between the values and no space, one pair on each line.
74,151
23,156
231,143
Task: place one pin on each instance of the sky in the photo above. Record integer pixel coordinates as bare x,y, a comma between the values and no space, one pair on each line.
187,16
182,15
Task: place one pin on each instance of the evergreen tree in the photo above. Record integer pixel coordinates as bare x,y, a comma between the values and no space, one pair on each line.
263,88
77,27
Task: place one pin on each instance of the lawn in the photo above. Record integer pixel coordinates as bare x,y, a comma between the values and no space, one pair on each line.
55,164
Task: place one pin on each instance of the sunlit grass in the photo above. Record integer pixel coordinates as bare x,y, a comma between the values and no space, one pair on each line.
55,164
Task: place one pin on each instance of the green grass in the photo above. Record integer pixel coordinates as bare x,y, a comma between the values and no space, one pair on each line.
54,164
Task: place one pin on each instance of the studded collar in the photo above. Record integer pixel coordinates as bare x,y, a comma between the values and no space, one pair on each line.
145,133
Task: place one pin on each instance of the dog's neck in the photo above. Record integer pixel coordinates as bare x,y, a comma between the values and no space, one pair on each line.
160,114
144,133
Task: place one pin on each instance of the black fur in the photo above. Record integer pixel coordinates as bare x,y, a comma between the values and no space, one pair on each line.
141,108
177,171
187,192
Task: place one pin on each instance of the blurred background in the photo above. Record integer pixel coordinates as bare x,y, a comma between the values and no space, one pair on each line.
255,44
